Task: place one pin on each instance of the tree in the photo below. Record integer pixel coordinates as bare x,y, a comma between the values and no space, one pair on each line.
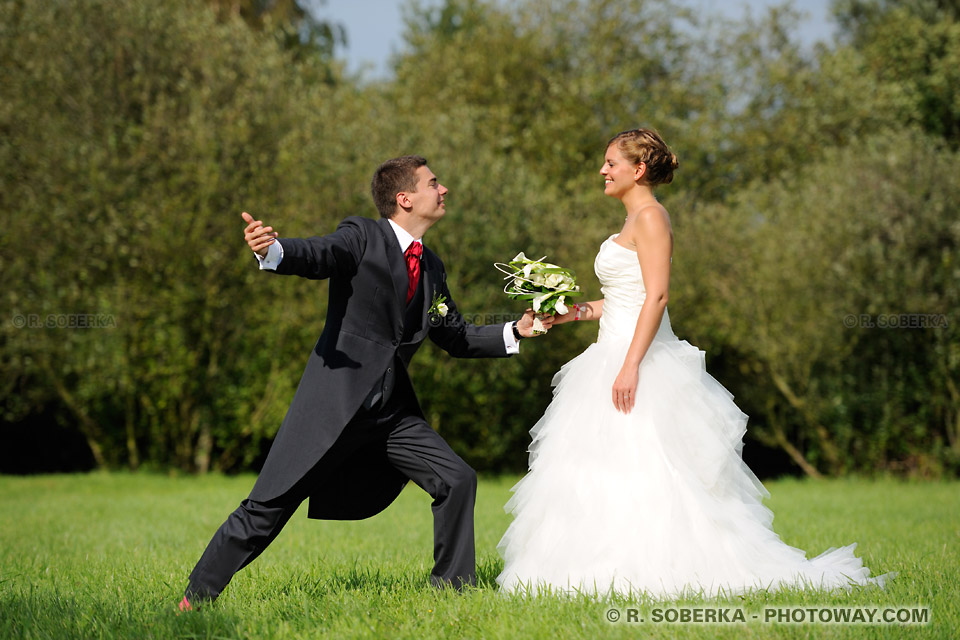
840,305
133,135
812,186
296,29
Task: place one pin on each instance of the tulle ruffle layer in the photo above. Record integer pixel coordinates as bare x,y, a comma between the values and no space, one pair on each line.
656,501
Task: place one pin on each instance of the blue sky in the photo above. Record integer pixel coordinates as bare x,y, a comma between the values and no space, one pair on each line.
374,26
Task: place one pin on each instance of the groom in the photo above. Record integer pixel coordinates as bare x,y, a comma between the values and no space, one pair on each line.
354,433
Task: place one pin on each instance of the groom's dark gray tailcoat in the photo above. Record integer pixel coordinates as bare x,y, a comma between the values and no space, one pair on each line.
367,342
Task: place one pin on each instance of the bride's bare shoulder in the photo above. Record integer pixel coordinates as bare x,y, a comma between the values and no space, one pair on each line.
651,222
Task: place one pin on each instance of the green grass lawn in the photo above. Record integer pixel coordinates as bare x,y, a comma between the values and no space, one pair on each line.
107,556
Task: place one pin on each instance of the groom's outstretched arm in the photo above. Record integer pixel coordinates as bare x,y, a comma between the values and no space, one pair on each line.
462,339
316,258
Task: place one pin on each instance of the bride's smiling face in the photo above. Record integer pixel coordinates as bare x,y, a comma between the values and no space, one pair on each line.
619,174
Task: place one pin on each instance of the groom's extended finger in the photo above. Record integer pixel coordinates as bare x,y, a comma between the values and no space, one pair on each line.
262,243
251,229
246,217
261,234
258,233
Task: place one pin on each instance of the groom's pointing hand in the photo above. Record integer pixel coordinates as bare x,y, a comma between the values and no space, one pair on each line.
258,236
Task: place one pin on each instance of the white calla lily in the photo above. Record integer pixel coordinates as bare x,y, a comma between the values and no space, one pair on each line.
539,301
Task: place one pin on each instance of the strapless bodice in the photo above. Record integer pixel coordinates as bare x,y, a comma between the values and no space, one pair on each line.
621,282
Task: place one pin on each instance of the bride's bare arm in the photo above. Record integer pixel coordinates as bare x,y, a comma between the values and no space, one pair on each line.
588,311
650,233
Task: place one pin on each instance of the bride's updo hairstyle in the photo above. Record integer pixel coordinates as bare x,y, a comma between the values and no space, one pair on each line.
646,146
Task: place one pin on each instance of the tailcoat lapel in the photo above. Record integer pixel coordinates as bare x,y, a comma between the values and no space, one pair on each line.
428,278
396,264
427,290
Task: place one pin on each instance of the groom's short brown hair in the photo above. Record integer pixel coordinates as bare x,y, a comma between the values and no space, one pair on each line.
392,177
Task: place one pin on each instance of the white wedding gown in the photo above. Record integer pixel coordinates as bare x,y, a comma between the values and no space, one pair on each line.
658,500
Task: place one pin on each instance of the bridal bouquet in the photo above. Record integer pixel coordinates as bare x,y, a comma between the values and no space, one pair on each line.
545,285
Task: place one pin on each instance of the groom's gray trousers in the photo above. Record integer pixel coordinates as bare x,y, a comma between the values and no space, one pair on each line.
412,447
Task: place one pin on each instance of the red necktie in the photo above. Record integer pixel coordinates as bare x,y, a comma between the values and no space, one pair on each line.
412,255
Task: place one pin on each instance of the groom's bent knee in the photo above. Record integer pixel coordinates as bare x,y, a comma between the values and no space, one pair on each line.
459,482
464,480
256,521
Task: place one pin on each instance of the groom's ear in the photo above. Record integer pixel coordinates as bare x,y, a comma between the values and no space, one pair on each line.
403,200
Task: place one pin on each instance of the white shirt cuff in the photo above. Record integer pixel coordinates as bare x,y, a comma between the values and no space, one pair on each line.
274,256
510,342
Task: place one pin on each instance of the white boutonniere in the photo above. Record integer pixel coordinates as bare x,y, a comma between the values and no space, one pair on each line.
438,309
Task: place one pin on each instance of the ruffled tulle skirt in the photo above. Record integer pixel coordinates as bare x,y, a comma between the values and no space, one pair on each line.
657,501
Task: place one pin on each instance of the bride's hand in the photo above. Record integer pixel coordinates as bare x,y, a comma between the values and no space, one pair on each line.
625,390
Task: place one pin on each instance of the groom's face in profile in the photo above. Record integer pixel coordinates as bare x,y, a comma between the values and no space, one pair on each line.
427,200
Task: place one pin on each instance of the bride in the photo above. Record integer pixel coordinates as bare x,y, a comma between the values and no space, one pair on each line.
636,482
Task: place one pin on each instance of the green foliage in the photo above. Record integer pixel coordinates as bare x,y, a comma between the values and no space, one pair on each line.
294,28
813,186
828,259
133,136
